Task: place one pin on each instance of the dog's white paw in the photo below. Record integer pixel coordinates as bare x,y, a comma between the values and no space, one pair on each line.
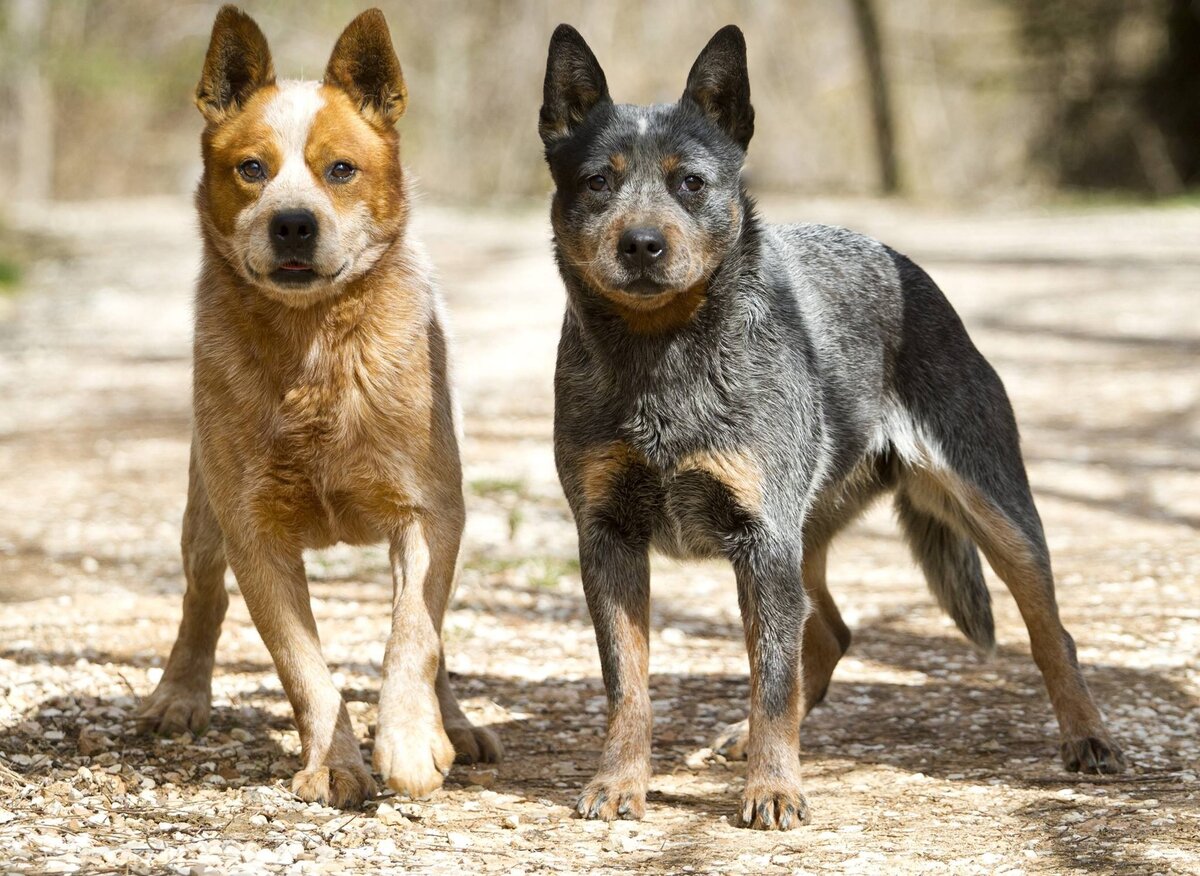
413,759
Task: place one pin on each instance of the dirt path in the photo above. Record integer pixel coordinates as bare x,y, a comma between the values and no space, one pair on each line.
923,759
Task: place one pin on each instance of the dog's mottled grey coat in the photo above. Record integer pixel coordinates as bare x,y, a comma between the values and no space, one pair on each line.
826,362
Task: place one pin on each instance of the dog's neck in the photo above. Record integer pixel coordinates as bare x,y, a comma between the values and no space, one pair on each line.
383,305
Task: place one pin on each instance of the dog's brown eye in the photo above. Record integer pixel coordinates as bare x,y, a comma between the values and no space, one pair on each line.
597,183
252,170
341,171
692,183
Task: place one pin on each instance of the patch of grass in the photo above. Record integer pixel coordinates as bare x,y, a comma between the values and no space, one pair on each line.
490,488
1084,199
551,570
542,572
10,274
515,518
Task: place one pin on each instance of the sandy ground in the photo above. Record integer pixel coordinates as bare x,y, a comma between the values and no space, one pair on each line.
923,758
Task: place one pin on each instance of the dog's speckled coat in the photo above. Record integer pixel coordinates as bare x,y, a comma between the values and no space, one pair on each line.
745,391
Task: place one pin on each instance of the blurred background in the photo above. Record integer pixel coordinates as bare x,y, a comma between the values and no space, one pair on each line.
965,100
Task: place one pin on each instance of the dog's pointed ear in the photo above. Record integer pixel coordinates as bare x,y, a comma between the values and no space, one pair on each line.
365,66
237,64
719,84
574,85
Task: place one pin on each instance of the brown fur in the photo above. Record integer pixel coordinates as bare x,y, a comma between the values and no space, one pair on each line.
314,424
738,472
772,797
602,466
652,317
618,790
588,251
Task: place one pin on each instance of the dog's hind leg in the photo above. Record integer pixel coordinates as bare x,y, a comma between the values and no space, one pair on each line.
183,698
990,495
952,428
826,636
472,744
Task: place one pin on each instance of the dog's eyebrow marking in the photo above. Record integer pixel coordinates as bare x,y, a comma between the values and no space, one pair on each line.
670,162
618,162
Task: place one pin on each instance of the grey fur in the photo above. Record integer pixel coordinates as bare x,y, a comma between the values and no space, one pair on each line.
828,360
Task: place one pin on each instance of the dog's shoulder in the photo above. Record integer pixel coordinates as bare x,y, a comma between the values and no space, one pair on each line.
840,282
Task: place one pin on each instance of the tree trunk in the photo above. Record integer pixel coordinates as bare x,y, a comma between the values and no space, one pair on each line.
34,104
866,23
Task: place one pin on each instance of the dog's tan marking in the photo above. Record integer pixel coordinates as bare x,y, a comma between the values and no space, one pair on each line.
772,798
825,635
737,471
618,789
340,133
691,252
670,163
600,467
618,161
663,313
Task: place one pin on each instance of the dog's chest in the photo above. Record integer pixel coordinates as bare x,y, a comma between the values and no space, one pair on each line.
338,464
693,504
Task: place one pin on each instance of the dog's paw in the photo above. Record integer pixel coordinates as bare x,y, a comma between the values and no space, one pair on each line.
474,744
731,742
413,760
773,805
344,786
1092,754
173,709
607,799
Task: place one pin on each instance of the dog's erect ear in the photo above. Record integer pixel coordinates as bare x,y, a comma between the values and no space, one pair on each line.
720,84
574,85
365,66
238,63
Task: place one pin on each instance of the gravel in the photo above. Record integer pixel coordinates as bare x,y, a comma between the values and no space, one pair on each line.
923,759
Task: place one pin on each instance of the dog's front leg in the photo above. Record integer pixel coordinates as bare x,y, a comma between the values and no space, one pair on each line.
271,578
774,606
413,753
616,582
183,698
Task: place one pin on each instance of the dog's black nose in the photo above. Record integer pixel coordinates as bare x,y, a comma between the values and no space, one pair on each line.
294,233
641,247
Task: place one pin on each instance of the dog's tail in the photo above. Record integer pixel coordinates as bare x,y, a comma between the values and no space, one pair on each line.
952,569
